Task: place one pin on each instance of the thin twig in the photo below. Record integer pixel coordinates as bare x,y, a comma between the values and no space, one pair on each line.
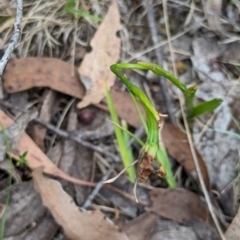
60,121
62,133
194,155
72,136
159,53
13,41
98,187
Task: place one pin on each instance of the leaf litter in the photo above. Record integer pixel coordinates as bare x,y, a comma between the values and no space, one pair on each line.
77,224
38,72
217,159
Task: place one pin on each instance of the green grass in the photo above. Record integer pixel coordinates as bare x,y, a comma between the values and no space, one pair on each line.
153,147
69,8
9,183
122,138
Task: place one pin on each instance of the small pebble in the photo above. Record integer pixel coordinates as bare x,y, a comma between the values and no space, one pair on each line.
86,116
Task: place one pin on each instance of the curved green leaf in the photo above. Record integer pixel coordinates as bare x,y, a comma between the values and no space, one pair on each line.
205,107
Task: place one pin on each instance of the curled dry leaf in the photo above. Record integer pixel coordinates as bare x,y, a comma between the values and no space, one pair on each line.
35,156
179,205
26,73
76,224
105,52
177,145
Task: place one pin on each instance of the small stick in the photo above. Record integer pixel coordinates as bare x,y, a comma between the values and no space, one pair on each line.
12,43
71,136
62,133
98,187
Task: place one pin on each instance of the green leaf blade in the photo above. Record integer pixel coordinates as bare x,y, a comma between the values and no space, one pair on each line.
162,72
205,107
122,144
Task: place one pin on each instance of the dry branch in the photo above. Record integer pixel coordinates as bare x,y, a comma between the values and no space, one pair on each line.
13,41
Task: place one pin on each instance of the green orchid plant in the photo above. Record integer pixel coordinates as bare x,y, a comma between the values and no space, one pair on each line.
153,157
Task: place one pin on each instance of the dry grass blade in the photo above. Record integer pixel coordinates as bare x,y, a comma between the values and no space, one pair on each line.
48,29
124,170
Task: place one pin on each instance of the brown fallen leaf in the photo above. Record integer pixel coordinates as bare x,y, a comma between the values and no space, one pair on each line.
35,157
233,231
177,146
105,51
26,73
179,205
76,224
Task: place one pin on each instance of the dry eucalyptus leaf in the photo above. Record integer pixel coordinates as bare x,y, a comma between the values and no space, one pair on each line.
177,145
23,74
179,205
76,224
105,52
35,156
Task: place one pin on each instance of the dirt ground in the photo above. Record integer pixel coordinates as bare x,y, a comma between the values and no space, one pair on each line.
58,140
